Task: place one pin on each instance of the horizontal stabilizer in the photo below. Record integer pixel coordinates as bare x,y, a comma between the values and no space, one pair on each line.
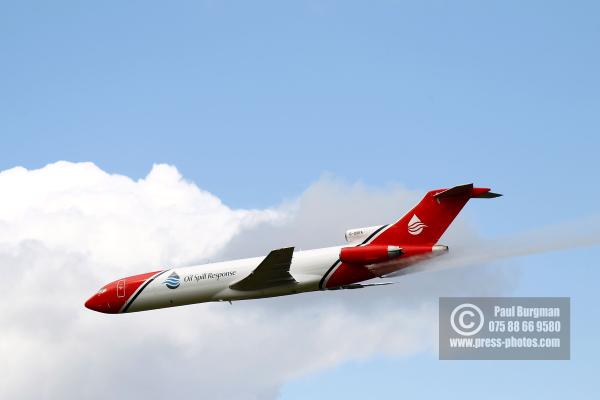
362,285
455,191
466,190
487,195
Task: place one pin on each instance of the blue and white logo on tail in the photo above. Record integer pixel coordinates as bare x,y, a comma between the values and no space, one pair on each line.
173,281
415,226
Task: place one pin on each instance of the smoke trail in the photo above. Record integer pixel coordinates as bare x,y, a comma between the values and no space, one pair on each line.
556,237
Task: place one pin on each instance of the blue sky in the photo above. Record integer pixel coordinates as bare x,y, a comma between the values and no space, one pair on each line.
253,101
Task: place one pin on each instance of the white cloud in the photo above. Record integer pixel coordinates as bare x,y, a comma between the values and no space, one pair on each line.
116,220
67,228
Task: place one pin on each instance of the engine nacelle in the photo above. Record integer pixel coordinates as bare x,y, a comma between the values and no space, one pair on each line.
369,254
360,234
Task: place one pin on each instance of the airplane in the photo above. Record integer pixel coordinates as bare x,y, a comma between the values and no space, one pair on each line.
370,252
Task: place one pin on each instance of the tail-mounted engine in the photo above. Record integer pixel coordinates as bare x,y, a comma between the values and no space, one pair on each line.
369,254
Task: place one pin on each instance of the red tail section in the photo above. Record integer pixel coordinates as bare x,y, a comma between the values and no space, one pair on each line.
428,220
414,234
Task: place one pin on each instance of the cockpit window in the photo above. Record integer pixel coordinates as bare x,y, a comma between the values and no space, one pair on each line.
103,290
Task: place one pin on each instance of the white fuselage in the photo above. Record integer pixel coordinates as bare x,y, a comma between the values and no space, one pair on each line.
210,282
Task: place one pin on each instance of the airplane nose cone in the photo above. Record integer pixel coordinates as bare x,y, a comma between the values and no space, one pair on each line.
112,298
90,304
99,303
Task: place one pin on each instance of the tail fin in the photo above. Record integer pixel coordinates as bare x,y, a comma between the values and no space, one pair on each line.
428,220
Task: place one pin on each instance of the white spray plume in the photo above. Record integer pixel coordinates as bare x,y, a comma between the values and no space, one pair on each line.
584,232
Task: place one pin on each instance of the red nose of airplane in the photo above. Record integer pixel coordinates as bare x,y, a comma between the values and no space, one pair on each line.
101,302
114,297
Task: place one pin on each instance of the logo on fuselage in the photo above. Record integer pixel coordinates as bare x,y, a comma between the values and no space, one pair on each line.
415,226
172,282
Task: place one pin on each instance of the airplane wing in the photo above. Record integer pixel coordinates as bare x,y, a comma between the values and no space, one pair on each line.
274,270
